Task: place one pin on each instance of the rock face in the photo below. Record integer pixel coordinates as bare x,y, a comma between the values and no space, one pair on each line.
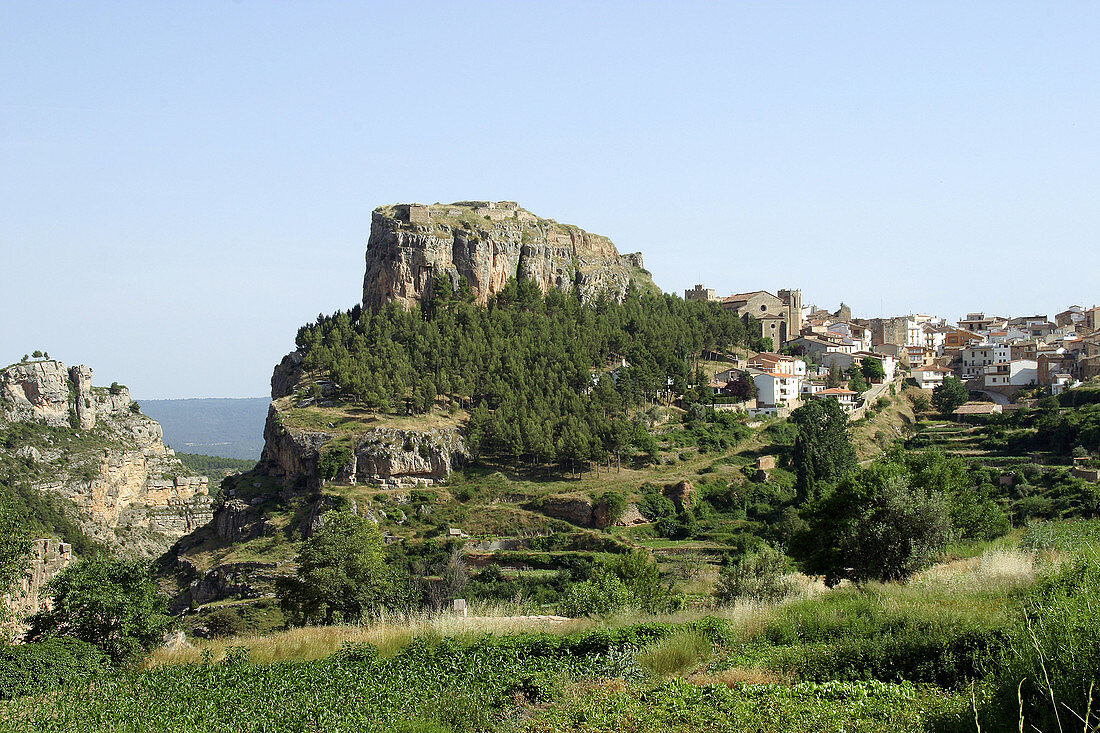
486,243
99,452
387,456
576,510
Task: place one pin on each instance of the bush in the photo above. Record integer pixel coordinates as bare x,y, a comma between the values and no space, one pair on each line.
225,622
602,596
110,603
331,461
757,576
614,503
31,669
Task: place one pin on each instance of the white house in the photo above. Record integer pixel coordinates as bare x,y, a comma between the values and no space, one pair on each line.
977,357
860,336
1015,373
846,397
930,377
811,387
774,389
779,363
1060,382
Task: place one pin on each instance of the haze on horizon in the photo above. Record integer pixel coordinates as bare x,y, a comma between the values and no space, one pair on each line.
184,185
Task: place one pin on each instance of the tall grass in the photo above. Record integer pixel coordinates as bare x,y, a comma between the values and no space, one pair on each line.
389,636
681,652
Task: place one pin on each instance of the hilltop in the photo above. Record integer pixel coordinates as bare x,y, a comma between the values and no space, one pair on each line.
478,246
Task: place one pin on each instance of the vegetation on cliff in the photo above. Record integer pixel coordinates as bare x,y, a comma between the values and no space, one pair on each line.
544,376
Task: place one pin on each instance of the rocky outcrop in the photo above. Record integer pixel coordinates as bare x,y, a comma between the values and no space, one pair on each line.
387,456
232,580
125,487
682,494
575,510
36,391
485,244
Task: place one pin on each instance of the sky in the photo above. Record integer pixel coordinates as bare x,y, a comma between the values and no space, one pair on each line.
184,184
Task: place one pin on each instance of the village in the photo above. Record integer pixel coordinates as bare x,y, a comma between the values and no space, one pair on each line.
818,354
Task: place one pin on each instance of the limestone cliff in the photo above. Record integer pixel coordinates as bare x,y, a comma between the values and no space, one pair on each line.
487,243
381,455
93,447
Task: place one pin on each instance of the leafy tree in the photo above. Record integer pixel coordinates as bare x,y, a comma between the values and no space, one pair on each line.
872,369
877,524
763,344
341,576
822,452
856,382
107,602
756,576
950,395
614,504
36,354
835,378
14,546
640,574
603,595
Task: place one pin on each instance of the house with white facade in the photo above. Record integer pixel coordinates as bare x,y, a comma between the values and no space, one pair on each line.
1016,373
777,389
781,363
846,397
930,377
860,336
976,357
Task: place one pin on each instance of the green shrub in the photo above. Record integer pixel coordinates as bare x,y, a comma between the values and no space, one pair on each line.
602,596
37,667
331,461
756,576
225,622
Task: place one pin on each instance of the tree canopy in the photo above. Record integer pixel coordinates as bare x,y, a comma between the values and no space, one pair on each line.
949,395
542,375
872,369
342,576
881,523
822,452
110,603
14,545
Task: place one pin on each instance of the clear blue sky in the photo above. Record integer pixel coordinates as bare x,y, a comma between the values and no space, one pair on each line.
183,184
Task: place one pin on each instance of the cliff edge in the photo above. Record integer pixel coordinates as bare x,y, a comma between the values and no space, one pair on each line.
483,244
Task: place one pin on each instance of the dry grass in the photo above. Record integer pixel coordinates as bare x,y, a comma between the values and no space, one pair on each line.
995,569
389,636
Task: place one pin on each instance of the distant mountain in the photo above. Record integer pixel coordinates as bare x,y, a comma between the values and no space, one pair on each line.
230,428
